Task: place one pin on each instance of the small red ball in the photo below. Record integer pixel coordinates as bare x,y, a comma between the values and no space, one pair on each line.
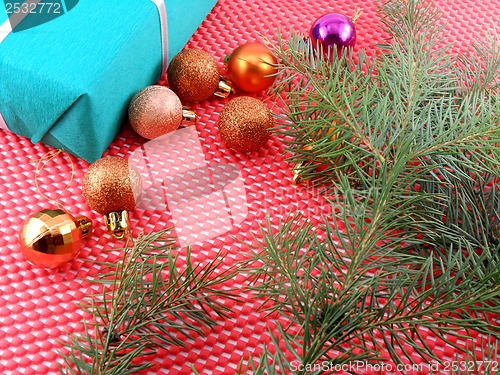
111,184
193,75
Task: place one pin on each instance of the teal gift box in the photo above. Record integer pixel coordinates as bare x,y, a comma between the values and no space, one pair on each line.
68,75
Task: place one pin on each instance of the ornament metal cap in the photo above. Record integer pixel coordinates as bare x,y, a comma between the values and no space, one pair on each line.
117,224
224,89
189,117
297,173
85,225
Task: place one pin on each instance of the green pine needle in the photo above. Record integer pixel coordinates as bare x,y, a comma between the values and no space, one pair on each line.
408,145
150,301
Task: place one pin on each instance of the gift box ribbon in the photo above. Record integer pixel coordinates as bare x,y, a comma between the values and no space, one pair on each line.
3,124
5,30
162,11
16,18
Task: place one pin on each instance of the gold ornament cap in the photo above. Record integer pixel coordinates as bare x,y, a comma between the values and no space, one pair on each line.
189,117
194,75
117,223
224,89
297,173
51,238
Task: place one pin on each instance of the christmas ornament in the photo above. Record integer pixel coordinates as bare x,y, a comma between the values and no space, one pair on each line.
156,110
299,168
52,237
194,75
251,67
244,124
318,165
111,187
333,30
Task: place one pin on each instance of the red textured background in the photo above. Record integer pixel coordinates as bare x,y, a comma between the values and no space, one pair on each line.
38,307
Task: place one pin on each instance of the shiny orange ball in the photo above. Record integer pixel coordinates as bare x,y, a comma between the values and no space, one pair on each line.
251,67
51,238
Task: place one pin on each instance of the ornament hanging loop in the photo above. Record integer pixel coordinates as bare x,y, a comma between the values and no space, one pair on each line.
40,166
357,14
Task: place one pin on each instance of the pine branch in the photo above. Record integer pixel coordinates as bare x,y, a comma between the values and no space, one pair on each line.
481,359
406,146
337,307
150,301
342,112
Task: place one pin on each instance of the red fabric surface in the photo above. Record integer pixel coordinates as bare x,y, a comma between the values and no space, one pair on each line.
38,307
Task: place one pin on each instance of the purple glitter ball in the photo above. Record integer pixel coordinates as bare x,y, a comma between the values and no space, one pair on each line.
333,29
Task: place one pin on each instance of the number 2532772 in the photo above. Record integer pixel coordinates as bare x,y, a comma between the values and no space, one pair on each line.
33,8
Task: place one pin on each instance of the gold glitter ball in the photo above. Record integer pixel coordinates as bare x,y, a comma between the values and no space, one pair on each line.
193,75
111,184
245,123
155,111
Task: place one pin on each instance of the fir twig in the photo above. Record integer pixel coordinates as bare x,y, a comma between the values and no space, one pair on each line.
408,148
150,301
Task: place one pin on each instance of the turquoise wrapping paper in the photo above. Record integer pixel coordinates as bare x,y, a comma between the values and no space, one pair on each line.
68,82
